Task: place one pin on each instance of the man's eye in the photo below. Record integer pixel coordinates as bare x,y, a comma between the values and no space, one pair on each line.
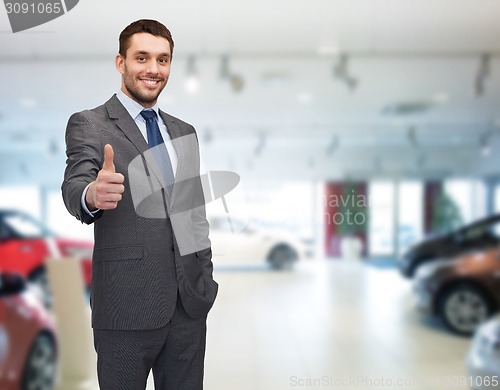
141,59
163,60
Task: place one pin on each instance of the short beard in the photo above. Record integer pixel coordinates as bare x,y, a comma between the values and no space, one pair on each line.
139,98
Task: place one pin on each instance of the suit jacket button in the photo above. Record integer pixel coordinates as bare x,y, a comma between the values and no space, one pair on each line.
173,248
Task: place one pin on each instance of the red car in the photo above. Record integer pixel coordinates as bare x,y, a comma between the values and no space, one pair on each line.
28,343
26,243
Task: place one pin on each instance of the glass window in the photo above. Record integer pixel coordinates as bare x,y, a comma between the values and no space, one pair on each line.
469,196
410,214
497,199
381,218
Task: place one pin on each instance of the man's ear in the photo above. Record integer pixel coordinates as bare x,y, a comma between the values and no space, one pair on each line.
119,63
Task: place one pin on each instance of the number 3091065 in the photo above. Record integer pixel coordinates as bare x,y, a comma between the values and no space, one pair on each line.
32,8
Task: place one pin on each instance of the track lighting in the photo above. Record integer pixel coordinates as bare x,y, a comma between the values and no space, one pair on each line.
192,79
342,73
236,81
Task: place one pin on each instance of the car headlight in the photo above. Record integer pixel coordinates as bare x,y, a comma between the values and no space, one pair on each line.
427,270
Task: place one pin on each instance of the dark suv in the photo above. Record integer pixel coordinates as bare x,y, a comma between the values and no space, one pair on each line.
482,234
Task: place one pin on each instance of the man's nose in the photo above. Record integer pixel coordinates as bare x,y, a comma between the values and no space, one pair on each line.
152,67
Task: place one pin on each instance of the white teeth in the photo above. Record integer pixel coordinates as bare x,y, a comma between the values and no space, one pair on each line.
150,82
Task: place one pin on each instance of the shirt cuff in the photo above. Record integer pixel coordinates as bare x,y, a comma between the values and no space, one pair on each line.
84,205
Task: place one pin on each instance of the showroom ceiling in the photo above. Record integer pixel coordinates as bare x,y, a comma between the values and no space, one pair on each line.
286,89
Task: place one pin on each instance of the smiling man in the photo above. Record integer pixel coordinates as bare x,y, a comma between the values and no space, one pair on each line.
149,299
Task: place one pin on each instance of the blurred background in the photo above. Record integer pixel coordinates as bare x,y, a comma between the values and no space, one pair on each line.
366,137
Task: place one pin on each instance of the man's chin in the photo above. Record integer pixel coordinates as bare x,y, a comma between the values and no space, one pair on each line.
143,98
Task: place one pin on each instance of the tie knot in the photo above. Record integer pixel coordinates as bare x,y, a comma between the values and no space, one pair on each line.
148,114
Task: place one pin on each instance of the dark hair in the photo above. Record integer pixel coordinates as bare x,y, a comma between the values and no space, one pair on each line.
149,26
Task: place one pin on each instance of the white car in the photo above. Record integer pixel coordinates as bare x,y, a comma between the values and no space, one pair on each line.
234,242
483,359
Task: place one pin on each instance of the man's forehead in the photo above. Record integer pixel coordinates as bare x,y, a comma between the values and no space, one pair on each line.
145,42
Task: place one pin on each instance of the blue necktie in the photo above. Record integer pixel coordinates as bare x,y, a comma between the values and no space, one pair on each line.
161,153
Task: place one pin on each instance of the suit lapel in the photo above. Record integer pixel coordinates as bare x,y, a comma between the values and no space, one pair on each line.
126,123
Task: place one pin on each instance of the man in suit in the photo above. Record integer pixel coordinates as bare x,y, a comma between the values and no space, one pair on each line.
152,284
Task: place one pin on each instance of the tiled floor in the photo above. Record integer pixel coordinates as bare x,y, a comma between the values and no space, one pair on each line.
329,325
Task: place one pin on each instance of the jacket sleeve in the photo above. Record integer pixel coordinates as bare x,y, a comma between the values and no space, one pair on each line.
84,152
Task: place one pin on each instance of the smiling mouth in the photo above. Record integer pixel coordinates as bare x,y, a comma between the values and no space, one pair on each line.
150,82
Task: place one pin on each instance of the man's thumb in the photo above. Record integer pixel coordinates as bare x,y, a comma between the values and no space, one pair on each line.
109,154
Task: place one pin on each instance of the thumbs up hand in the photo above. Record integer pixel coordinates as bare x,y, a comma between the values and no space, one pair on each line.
106,191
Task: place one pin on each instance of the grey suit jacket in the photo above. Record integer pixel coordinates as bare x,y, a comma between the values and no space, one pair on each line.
137,268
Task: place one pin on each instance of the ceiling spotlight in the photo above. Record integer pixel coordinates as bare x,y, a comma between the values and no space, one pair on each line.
208,136
261,143
332,146
192,79
412,137
53,148
482,75
484,144
485,150
235,80
237,83
341,72
224,72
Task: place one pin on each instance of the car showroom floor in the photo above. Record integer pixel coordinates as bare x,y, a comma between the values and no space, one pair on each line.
326,324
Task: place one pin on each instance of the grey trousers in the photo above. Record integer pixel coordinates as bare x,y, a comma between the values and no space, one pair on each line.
175,353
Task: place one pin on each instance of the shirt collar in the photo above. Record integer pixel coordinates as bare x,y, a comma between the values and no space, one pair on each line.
132,107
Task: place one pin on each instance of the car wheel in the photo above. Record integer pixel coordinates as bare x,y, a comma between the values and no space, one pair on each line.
282,256
463,307
40,279
40,369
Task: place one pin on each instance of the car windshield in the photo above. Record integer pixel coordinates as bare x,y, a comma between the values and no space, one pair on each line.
25,226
